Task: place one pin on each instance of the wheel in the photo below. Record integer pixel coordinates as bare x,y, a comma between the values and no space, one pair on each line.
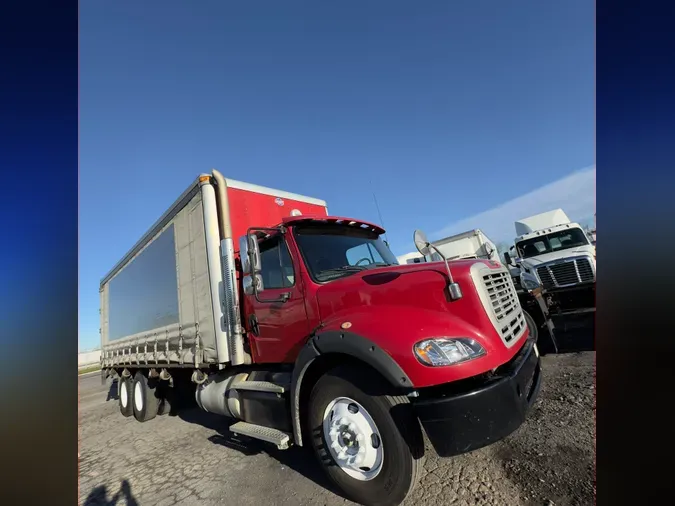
145,398
124,395
370,444
531,325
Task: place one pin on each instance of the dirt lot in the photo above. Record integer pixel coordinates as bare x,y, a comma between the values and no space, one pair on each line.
191,459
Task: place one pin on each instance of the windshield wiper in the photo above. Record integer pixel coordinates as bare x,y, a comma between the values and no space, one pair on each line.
378,264
346,269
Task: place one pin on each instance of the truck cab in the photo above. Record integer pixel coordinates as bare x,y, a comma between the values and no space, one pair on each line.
561,256
553,252
335,274
334,279
556,260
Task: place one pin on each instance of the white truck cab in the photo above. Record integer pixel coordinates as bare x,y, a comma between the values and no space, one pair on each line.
553,252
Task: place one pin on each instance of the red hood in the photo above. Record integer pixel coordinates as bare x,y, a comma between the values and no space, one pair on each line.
417,285
398,306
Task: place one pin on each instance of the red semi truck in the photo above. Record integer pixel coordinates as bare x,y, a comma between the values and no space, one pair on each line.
304,330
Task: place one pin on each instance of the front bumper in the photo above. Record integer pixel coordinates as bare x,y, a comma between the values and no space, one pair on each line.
464,417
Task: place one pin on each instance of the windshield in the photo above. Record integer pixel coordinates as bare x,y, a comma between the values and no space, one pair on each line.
334,251
557,241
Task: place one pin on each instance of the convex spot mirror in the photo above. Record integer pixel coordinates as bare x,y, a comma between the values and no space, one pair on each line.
421,243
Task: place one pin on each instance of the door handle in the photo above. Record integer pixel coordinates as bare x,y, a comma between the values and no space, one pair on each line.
253,322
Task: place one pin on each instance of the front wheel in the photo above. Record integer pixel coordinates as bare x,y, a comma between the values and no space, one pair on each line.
369,443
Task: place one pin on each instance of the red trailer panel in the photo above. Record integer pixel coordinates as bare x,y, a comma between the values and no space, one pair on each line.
257,206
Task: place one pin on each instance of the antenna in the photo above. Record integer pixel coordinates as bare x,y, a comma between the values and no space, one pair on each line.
378,212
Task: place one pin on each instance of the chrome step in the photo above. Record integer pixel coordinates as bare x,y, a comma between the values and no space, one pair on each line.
268,434
259,386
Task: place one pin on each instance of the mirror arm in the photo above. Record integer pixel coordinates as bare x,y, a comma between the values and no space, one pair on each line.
447,266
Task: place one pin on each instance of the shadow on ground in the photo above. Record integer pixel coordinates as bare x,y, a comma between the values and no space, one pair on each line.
299,459
99,496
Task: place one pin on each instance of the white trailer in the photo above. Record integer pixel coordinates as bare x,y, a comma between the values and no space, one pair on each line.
411,258
470,244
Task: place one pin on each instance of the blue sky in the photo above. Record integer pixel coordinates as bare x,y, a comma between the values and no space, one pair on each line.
451,109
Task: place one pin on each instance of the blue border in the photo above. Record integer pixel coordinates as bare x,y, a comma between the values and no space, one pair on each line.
38,251
635,191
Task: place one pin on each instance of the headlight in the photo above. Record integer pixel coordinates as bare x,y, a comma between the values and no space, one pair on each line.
447,351
528,283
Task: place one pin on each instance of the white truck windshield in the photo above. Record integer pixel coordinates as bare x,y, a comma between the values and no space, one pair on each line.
556,241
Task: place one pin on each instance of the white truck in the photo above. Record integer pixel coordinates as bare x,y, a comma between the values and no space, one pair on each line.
556,259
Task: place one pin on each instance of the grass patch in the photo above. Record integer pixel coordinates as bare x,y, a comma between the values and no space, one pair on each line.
89,368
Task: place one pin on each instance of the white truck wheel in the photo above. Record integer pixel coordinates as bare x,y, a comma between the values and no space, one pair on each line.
369,443
353,438
145,399
124,395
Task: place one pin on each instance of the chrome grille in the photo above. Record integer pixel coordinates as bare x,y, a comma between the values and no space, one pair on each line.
504,306
585,270
567,273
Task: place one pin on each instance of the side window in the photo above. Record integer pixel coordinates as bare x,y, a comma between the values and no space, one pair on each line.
365,250
277,267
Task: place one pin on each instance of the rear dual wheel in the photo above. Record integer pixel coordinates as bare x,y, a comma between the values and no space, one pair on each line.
369,442
146,397
143,397
124,389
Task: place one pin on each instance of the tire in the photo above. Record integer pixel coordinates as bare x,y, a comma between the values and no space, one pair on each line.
146,401
395,453
124,396
532,326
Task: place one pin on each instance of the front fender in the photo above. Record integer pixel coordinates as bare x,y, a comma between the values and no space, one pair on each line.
345,343
383,337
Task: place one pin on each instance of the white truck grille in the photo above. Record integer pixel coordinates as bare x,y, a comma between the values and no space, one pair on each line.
500,301
567,273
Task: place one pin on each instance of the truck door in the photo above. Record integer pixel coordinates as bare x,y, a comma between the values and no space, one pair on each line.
277,329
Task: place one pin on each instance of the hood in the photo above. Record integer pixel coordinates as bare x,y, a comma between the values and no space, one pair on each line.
558,255
396,306
422,286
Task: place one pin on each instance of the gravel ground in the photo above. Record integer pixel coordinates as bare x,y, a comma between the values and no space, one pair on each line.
191,459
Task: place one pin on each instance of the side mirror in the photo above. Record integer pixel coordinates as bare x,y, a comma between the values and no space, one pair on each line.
421,243
507,258
251,265
249,288
243,255
253,255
